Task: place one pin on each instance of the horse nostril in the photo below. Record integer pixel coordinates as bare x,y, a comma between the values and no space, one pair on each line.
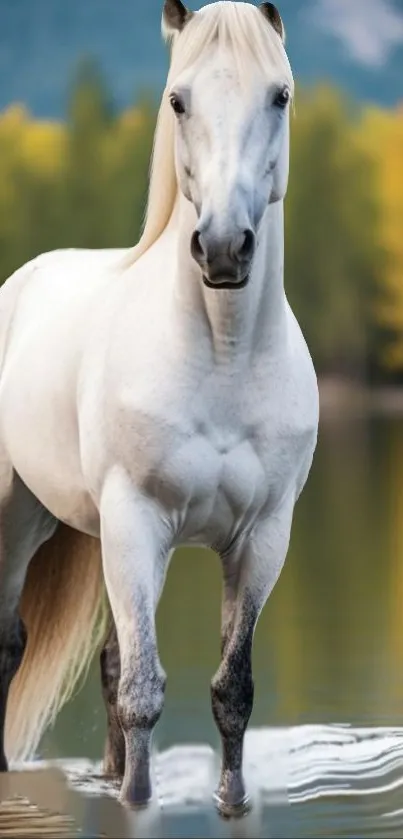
197,249
248,245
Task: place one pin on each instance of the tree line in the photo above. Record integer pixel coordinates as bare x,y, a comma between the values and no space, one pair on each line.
83,183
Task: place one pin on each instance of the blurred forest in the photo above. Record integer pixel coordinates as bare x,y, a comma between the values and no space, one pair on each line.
83,183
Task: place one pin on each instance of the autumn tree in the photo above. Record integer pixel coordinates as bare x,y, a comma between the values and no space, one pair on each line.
331,259
381,134
83,183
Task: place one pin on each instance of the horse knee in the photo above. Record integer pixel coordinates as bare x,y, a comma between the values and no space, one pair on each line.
141,699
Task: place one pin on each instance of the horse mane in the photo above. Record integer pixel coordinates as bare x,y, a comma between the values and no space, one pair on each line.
253,41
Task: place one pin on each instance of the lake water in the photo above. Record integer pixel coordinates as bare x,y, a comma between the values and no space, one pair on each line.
326,738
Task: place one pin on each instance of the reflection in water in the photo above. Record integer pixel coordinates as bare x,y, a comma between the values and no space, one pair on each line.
328,649
305,781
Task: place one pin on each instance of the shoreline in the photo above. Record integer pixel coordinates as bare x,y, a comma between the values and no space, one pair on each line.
342,398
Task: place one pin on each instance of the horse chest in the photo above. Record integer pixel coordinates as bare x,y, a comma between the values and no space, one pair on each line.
214,461
214,484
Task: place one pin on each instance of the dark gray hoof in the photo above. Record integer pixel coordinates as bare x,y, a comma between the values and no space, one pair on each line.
135,803
228,810
139,805
137,797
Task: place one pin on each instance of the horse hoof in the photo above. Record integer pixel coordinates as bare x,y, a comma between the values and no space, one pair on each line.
140,805
228,810
136,799
135,804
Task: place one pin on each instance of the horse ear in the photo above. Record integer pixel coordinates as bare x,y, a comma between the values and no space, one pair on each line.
174,17
272,14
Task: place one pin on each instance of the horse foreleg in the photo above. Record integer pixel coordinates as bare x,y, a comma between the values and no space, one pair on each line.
135,548
250,574
115,750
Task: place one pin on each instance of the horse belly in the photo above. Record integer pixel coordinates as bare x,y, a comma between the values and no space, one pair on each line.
44,450
39,430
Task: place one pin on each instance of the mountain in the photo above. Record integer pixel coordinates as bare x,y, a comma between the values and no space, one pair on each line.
356,44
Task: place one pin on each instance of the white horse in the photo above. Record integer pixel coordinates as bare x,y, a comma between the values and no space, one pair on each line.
155,397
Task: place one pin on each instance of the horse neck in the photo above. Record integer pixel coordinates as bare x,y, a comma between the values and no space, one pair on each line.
234,323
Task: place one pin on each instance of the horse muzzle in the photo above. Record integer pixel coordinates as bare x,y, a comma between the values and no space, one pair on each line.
225,263
226,282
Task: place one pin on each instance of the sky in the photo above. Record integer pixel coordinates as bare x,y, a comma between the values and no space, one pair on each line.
357,44
370,30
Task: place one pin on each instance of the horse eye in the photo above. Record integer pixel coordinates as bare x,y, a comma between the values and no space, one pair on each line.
282,98
176,104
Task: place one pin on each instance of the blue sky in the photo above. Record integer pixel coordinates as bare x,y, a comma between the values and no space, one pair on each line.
357,44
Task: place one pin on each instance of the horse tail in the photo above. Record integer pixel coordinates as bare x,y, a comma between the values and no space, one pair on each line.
64,610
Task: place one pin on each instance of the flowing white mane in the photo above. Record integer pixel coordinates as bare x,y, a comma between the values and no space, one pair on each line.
242,28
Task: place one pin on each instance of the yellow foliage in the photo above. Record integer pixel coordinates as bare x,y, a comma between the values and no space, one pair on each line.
38,145
44,147
13,119
381,133
132,119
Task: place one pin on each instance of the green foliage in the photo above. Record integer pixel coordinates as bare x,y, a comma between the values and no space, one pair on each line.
84,184
382,138
332,257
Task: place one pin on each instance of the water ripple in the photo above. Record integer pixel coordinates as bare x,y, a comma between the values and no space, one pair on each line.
307,781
